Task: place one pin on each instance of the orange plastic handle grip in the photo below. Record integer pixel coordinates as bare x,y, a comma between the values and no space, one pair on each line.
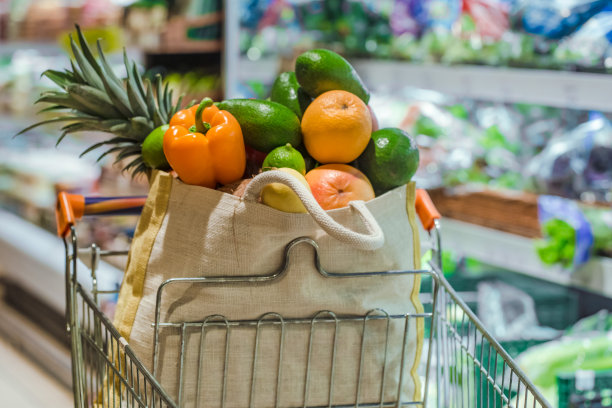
68,209
426,209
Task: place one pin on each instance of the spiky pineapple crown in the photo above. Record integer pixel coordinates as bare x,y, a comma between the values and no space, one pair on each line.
93,98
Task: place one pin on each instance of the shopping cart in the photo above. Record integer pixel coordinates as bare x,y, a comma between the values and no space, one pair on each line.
462,364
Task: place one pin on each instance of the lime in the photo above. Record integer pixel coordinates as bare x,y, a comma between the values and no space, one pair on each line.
285,156
390,160
153,149
283,198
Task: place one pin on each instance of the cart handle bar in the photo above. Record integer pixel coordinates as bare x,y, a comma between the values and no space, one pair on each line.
72,207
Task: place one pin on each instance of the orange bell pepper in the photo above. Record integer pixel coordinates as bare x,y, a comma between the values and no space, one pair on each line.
204,146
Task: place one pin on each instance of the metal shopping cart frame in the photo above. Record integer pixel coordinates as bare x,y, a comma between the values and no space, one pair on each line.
463,365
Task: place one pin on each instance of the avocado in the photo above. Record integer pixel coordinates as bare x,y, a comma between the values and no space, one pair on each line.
265,124
319,71
287,91
390,159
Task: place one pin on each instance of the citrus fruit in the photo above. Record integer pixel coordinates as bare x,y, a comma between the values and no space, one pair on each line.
281,197
153,149
336,127
335,185
390,160
284,156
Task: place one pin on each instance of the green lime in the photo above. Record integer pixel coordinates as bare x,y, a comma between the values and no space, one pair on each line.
390,160
285,156
153,149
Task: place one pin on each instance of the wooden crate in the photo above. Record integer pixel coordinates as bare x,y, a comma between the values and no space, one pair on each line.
514,212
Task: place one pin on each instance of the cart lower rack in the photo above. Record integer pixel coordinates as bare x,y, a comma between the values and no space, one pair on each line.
462,365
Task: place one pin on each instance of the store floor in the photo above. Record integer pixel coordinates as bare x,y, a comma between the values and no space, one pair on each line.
23,384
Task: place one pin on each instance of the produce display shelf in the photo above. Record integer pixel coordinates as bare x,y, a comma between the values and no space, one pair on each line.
516,253
188,47
562,89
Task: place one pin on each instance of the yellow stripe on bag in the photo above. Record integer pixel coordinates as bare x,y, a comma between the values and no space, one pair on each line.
416,289
131,291
149,224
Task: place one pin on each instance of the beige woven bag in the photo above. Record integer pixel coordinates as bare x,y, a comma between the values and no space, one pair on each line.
287,358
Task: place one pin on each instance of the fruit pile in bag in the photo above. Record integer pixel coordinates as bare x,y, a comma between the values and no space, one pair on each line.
316,126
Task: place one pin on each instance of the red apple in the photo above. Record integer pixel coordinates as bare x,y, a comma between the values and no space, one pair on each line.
335,185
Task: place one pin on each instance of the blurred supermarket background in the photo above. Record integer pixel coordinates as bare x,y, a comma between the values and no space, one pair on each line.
510,102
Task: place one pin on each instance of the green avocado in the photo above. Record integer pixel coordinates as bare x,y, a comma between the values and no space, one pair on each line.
390,159
319,71
265,124
287,91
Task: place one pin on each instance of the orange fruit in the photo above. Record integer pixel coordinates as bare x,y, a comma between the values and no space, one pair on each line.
336,185
336,127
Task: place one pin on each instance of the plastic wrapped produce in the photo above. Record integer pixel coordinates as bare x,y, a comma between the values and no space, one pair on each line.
402,20
577,164
436,13
579,349
490,16
590,45
572,233
510,313
556,19
454,151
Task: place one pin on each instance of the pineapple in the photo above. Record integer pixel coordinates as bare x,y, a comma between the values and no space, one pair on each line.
93,98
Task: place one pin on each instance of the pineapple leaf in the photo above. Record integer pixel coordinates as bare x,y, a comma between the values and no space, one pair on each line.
64,100
108,70
127,152
44,122
77,74
95,100
138,80
133,163
61,79
136,101
141,126
59,139
150,99
121,129
89,73
109,151
178,105
72,128
113,86
160,98
87,52
108,124
168,101
152,106
142,168
92,148
118,97
51,108
114,140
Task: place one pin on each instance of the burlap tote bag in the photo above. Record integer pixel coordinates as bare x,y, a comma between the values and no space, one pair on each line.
304,337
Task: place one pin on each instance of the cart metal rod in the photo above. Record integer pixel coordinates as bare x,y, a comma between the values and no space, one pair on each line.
500,350
292,321
101,252
126,347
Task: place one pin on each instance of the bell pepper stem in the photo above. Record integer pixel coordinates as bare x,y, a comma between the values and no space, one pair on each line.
201,126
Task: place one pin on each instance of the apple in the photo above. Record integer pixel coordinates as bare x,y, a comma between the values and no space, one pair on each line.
335,185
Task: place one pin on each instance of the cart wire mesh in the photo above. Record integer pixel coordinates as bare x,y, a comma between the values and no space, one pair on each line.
462,364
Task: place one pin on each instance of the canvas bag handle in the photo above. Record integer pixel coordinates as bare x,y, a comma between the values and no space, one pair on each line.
372,240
